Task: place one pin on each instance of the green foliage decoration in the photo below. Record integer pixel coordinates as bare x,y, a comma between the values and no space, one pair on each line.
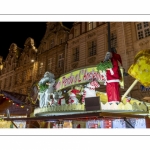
104,65
43,87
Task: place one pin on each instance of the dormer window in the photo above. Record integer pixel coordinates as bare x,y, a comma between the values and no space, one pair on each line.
91,25
76,31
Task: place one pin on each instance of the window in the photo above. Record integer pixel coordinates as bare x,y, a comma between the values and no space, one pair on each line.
0,84
60,61
16,78
76,54
61,41
41,68
25,59
143,30
30,73
23,76
49,63
91,25
92,48
76,32
52,43
10,82
5,82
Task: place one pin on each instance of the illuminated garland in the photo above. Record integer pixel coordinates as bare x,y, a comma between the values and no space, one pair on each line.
104,65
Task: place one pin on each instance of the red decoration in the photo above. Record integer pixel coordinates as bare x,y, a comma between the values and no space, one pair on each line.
113,78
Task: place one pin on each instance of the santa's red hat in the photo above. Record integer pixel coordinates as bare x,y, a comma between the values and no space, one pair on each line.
75,91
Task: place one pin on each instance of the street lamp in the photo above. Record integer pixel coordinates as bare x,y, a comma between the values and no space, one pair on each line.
109,44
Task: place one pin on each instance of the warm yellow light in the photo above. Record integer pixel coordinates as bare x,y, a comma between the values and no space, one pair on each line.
32,60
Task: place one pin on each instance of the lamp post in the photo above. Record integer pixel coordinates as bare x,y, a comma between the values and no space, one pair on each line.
109,44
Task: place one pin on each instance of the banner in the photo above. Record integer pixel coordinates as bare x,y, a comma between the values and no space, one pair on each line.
82,76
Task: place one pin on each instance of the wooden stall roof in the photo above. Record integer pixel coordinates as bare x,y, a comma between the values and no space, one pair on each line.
18,104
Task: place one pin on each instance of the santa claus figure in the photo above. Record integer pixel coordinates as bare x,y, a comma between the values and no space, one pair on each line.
72,96
113,77
89,90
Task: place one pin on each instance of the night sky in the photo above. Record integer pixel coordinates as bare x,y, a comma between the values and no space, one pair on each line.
18,32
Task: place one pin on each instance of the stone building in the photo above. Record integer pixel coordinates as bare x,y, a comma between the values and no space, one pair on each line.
24,67
61,50
88,44
51,52
18,70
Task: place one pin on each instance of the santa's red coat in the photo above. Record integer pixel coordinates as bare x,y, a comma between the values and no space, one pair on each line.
112,86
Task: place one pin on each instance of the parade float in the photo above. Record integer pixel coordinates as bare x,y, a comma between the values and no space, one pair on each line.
79,92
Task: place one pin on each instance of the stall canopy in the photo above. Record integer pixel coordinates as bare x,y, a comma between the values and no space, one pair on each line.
15,103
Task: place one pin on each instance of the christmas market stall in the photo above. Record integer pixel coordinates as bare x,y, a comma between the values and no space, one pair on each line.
76,100
14,105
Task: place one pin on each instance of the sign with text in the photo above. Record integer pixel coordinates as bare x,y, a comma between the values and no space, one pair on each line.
144,89
82,76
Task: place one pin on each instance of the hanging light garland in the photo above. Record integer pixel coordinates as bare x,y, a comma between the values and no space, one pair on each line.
22,105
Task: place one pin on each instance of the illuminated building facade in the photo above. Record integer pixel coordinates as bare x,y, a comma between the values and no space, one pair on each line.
62,50
88,44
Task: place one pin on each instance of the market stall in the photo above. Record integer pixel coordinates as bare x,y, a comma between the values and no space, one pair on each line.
75,100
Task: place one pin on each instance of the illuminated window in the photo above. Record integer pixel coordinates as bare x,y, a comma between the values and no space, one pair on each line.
41,68
143,30
92,48
49,63
91,25
60,60
76,54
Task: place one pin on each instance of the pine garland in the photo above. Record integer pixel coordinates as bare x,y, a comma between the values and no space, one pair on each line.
43,87
104,65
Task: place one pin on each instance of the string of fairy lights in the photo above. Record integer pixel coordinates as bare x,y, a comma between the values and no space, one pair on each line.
21,104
